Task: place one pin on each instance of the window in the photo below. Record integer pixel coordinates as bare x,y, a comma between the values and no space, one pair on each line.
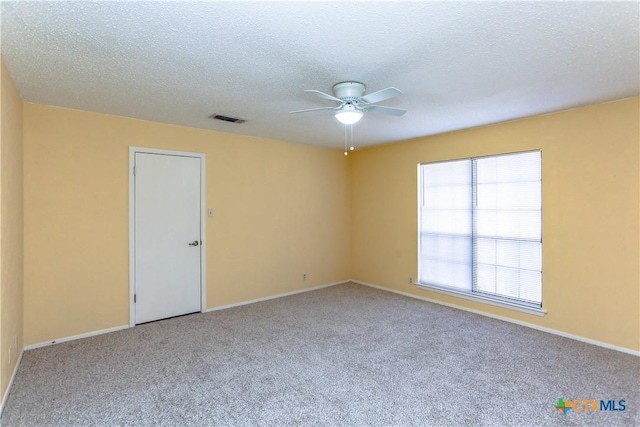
481,227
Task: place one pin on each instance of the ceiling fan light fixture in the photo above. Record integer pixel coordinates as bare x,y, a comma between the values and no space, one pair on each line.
348,115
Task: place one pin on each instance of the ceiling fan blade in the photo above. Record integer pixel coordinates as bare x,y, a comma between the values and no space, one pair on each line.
381,95
323,95
314,109
385,110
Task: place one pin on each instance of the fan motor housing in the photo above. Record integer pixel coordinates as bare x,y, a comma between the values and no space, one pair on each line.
348,91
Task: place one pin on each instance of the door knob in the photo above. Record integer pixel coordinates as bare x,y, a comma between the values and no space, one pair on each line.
194,243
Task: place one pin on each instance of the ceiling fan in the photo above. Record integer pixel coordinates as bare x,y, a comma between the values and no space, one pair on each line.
353,102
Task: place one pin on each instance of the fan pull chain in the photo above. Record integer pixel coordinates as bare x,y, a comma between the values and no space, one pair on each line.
351,147
345,141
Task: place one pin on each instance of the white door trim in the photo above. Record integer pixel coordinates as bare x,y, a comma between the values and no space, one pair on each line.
203,221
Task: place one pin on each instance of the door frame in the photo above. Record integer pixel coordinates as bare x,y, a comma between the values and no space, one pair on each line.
203,223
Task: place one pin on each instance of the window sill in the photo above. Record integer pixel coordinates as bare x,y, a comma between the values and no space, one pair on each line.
486,300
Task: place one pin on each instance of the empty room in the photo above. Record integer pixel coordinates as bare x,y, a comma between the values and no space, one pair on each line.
349,213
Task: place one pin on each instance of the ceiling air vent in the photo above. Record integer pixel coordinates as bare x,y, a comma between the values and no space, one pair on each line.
226,118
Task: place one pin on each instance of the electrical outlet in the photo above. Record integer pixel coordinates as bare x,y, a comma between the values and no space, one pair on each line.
15,341
411,280
210,212
304,276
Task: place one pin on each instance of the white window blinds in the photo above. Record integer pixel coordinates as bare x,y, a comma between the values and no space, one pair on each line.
481,226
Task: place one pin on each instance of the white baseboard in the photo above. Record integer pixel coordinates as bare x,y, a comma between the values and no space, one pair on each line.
13,377
76,337
119,328
286,294
505,319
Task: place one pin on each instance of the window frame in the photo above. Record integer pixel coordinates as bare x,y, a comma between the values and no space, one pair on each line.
495,300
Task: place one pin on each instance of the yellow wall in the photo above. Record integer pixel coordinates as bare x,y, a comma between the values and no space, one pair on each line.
11,227
285,209
281,209
590,179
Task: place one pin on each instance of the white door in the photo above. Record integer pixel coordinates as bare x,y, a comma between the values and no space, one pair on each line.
167,239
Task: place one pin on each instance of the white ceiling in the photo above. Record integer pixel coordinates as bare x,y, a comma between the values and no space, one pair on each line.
460,64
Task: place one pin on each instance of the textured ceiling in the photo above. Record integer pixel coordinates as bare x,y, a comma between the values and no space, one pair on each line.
459,64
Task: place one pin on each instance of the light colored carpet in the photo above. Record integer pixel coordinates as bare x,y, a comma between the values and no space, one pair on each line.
345,355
